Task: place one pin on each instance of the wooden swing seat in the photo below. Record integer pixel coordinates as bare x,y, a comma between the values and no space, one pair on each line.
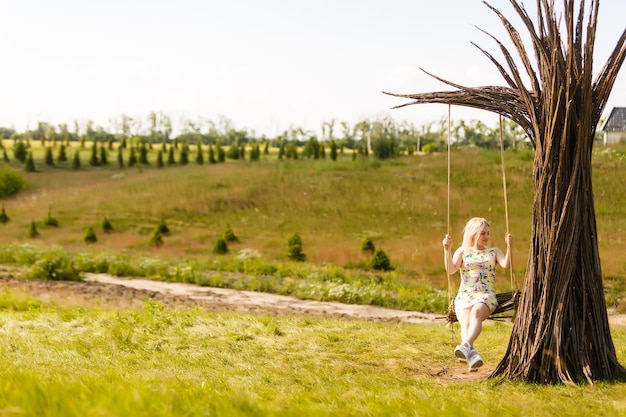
507,301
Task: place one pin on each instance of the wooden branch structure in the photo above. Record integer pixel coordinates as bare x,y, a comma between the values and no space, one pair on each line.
561,331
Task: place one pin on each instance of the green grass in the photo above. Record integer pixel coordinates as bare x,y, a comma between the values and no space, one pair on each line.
401,205
156,361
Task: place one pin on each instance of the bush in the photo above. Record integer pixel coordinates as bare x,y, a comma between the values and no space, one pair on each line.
221,247
3,217
380,261
157,238
107,227
229,235
32,230
30,163
50,221
162,228
20,151
90,236
54,267
368,245
294,251
11,182
76,161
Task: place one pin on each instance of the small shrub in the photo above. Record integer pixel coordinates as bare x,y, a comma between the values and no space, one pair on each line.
50,221
76,161
3,217
20,151
107,227
294,250
162,228
11,182
229,235
368,246
159,162
49,157
30,163
221,247
380,261
62,156
157,238
54,267
32,230
90,236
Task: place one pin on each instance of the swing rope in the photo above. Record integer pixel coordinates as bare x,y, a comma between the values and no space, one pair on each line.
450,299
506,207
506,301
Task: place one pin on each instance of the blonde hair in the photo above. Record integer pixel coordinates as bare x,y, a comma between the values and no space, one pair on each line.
472,229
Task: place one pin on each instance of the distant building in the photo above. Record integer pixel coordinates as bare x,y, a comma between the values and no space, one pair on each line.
615,126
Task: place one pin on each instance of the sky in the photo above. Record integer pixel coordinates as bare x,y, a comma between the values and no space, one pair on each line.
262,65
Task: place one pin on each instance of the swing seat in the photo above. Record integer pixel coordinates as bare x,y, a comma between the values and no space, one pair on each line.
507,301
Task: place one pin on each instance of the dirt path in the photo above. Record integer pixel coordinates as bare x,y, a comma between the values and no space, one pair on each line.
113,292
223,298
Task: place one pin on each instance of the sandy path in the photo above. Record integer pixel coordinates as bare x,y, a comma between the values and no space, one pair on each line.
259,301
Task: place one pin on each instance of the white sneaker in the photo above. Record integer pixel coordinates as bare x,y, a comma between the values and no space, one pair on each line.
474,360
462,352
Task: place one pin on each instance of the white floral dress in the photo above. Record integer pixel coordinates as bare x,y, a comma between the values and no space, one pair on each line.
478,273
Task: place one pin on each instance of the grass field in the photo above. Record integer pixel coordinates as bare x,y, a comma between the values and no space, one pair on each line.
155,361
63,360
333,205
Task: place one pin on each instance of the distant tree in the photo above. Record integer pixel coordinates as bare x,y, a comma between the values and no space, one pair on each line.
120,157
221,154
50,221
255,152
104,159
20,151
159,162
333,150
163,228
62,156
281,150
199,154
94,161
143,154
157,238
170,157
90,236
221,247
5,156
184,155
49,158
32,230
233,151
212,159
106,226
3,216
295,249
76,161
30,163
132,159
380,261
367,245
229,235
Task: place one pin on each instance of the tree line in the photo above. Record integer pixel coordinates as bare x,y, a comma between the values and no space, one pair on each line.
382,138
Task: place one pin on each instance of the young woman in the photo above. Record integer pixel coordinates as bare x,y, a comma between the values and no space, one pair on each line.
476,298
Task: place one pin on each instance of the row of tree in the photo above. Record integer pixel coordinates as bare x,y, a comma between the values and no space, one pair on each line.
368,135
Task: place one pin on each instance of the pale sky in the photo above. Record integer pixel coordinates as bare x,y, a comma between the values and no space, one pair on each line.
266,65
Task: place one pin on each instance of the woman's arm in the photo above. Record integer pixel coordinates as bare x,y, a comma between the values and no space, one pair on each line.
451,262
505,260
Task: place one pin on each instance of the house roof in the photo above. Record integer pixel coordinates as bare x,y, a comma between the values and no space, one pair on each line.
616,122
